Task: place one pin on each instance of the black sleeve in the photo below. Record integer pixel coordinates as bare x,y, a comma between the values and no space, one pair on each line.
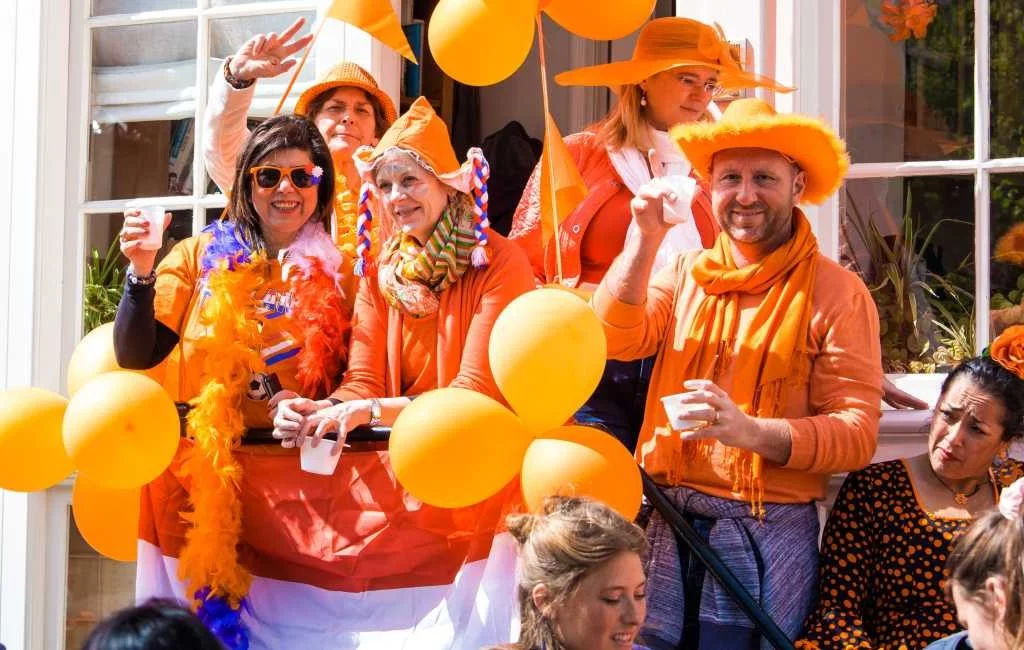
140,340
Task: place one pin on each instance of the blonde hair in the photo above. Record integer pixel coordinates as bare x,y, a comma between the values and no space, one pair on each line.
559,548
992,547
625,125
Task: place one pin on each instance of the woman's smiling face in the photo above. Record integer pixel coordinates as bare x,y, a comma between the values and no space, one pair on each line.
413,197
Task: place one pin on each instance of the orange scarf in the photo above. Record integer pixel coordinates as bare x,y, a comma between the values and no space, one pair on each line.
773,352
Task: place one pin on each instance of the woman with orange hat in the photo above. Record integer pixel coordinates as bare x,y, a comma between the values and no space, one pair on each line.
676,70
439,283
346,104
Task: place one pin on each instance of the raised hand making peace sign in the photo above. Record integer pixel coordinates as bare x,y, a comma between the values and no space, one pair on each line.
266,55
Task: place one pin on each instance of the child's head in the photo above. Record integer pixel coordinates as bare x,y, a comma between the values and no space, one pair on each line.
154,625
986,575
581,581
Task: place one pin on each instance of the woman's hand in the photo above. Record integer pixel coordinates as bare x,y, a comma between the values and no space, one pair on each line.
289,412
133,232
341,418
266,55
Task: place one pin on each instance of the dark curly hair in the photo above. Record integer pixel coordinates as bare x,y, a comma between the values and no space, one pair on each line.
280,132
995,380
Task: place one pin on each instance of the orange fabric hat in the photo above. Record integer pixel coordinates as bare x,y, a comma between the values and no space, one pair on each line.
347,73
754,123
667,43
421,133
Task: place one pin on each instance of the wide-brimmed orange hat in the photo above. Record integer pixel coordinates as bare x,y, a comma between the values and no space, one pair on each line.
422,134
753,123
347,73
668,43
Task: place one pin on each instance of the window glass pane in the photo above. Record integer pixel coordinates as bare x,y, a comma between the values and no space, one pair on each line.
1006,20
227,35
105,266
97,587
106,7
1007,269
912,240
911,98
143,106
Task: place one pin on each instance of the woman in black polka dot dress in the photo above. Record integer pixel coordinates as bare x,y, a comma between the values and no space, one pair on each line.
893,524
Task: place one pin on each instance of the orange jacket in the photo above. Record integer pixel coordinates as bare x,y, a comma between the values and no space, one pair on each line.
602,183
464,321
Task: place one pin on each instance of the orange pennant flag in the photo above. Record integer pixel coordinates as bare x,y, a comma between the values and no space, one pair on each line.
375,17
559,178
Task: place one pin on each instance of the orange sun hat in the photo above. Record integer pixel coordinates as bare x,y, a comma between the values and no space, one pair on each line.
347,73
753,123
422,134
668,43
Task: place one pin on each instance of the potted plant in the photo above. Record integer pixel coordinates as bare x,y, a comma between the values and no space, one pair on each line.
104,283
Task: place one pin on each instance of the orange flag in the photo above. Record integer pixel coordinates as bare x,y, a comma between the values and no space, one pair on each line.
559,177
375,17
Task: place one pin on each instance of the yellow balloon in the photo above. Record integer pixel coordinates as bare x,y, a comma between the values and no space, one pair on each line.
454,447
481,42
32,455
121,429
600,20
94,355
107,518
581,461
547,353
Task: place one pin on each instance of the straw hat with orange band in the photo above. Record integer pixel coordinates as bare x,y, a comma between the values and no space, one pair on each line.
347,74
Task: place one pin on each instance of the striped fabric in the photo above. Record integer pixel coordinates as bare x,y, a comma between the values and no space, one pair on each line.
348,560
775,559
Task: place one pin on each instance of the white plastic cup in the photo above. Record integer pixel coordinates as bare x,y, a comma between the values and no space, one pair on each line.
679,414
154,214
318,460
684,187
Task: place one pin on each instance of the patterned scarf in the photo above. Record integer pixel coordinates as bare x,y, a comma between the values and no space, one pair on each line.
773,355
412,275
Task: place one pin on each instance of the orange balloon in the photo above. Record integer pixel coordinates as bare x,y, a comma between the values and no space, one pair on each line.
94,355
481,42
32,455
108,519
121,429
581,461
547,353
600,20
454,447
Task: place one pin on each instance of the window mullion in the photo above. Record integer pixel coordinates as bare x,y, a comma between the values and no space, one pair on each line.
202,88
982,184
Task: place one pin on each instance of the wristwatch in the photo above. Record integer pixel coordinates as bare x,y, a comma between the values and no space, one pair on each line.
375,419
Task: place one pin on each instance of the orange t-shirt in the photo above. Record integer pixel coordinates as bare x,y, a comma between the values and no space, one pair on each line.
181,294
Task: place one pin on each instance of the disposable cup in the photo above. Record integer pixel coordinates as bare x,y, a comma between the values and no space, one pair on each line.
680,415
154,214
684,187
318,460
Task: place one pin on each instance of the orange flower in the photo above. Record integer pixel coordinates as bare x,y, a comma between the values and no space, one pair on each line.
908,17
1010,247
1008,350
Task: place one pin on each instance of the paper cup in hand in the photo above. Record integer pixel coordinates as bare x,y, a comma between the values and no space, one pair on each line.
679,414
318,460
684,187
154,214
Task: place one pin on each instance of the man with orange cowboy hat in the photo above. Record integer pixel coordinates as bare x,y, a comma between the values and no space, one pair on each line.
776,350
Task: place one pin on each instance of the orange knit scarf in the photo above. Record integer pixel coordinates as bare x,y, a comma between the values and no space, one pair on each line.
773,352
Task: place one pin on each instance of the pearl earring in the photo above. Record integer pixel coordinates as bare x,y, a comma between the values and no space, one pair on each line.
643,99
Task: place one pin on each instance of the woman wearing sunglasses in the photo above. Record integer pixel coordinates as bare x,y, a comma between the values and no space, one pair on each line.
250,306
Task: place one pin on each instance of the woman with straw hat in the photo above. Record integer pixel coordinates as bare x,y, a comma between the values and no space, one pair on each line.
677,67
346,104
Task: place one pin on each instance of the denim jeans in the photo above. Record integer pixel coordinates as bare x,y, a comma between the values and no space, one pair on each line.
617,404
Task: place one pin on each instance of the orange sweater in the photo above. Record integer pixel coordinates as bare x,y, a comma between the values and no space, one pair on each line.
833,416
463,329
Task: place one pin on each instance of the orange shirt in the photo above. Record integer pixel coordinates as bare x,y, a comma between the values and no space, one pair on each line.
180,295
386,353
832,416
605,236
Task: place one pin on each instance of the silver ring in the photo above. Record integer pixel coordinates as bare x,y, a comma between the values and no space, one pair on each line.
717,413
